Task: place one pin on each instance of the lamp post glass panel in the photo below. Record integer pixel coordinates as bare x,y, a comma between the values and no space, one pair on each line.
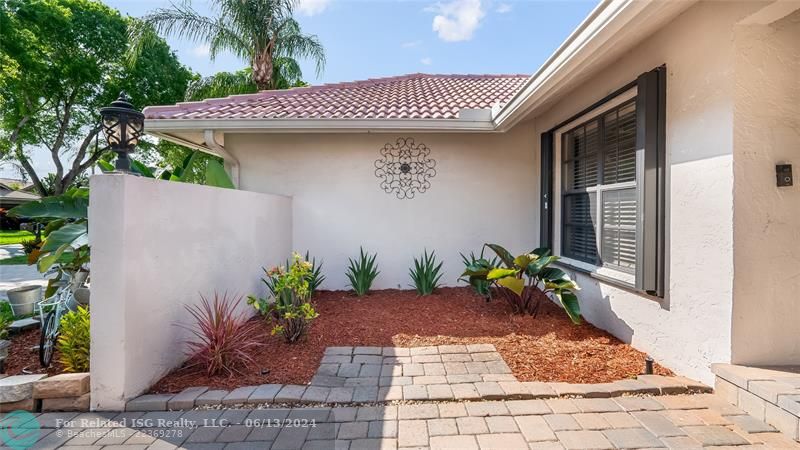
123,125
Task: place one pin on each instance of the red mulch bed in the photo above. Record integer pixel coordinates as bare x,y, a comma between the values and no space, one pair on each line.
23,356
546,348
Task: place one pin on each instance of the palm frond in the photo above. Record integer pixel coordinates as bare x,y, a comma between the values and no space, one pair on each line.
295,44
221,84
286,73
182,21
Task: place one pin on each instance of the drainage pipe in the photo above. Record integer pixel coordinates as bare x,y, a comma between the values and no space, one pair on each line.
231,163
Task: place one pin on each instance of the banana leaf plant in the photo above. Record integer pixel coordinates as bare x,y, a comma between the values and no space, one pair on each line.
520,279
66,236
480,284
215,172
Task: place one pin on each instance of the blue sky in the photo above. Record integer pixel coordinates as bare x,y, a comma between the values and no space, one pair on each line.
365,39
369,38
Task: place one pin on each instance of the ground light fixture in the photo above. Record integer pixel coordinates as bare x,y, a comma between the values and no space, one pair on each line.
123,125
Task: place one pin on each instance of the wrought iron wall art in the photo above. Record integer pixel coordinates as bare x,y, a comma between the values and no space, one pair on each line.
405,168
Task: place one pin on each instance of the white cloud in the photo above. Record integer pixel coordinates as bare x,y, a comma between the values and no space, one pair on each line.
312,7
411,44
503,8
426,60
457,20
202,50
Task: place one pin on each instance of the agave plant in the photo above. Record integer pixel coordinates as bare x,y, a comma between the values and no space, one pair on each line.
522,276
362,272
426,273
315,275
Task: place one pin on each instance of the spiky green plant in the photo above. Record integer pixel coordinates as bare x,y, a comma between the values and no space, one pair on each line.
362,272
315,275
426,273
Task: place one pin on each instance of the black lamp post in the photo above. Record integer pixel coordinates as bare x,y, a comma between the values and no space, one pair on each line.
123,125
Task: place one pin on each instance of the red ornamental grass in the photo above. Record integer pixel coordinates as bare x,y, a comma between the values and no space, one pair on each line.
223,338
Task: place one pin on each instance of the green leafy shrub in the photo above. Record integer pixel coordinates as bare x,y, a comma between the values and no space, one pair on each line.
362,272
223,339
426,273
6,312
315,277
479,284
290,288
5,322
73,340
522,276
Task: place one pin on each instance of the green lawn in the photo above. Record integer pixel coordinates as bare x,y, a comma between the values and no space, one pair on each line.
14,260
23,259
14,237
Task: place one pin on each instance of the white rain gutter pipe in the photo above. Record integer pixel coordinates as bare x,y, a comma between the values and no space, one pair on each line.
231,163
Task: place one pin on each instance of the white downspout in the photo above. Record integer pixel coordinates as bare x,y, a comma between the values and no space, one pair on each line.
231,163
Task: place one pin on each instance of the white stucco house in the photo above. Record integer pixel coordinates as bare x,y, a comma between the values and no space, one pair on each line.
643,152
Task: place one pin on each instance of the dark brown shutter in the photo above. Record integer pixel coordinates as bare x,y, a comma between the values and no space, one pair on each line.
546,201
651,152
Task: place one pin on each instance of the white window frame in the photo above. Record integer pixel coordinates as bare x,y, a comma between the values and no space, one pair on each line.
607,272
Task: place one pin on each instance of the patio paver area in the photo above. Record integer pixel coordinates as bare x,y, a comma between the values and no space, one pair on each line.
358,375
678,421
438,397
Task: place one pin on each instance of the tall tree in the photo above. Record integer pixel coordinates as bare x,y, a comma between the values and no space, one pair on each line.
258,31
60,61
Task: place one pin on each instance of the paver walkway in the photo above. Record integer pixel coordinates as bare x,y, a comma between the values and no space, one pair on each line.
679,421
358,375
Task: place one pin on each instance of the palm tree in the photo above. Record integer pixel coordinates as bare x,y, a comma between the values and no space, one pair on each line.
285,74
258,31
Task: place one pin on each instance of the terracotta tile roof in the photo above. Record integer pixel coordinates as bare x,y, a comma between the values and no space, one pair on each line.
416,96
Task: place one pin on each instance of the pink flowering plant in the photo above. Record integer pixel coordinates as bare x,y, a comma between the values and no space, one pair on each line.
289,308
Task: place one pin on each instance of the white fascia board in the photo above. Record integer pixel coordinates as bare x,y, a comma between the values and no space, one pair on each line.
183,142
319,125
599,26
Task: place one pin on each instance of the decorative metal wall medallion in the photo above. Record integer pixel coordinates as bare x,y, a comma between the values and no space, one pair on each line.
405,168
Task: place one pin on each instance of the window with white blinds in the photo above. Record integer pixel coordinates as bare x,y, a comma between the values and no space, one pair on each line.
599,193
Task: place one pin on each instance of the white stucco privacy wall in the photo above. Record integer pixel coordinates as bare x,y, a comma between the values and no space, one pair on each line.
156,247
690,328
766,217
485,189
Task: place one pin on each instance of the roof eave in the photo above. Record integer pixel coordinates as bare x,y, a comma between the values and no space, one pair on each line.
319,125
579,53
